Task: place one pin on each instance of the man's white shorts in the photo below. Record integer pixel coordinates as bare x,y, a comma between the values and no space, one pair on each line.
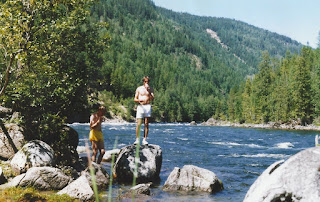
143,111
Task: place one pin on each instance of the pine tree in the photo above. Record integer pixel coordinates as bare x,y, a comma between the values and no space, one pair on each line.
302,86
262,88
247,104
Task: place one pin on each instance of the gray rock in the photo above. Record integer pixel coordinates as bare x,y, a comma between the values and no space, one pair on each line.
149,164
296,179
35,153
5,111
107,157
192,178
101,175
67,153
140,192
79,189
6,148
141,189
210,122
193,123
42,178
13,182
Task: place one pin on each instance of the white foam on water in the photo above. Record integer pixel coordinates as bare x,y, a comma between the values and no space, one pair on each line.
81,149
170,124
276,156
236,144
78,124
254,165
284,145
184,139
225,143
169,142
121,145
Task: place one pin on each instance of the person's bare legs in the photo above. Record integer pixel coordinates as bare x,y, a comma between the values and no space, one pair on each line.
101,150
139,122
146,127
94,150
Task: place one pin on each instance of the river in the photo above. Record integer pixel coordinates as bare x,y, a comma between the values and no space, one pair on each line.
236,155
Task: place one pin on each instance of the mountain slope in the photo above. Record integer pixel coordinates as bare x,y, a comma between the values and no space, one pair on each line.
192,61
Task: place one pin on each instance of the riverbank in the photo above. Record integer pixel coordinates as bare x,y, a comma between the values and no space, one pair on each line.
213,122
270,125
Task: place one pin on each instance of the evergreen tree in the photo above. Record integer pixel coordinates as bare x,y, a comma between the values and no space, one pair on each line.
262,89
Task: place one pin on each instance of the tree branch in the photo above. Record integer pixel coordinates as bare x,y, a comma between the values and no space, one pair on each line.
8,71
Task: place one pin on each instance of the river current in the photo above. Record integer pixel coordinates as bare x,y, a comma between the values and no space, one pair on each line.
236,155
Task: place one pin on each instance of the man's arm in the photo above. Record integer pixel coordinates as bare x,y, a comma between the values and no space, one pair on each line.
151,94
136,97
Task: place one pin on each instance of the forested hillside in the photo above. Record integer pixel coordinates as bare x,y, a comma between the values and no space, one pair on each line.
283,91
193,61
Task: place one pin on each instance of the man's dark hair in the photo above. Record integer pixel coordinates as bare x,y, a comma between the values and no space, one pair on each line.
146,77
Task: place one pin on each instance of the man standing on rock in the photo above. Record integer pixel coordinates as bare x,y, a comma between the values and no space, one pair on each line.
144,95
95,135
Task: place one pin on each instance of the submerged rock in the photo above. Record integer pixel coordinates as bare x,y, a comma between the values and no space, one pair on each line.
149,164
140,192
192,178
296,179
35,153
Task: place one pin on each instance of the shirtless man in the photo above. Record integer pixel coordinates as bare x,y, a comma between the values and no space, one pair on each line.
144,94
95,135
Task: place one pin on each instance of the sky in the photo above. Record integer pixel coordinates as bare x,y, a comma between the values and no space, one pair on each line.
297,19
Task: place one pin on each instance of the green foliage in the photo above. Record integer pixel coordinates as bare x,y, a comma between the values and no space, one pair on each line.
60,54
282,91
190,71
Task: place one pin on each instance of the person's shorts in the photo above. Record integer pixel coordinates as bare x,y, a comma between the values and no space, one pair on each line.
143,111
95,135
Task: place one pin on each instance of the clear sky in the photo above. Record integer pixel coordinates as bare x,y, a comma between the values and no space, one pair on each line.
297,19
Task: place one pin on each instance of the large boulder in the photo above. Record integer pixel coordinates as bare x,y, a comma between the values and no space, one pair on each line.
42,178
101,175
192,178
80,189
66,152
15,141
107,157
149,164
35,153
296,179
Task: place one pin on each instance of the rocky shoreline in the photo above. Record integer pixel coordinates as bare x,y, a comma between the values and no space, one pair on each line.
270,125
212,122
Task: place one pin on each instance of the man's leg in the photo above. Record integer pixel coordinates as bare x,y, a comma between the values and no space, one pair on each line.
139,122
146,127
101,150
94,150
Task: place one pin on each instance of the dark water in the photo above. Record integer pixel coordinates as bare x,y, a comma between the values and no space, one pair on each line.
236,155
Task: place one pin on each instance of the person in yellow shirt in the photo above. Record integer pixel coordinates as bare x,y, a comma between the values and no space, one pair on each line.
95,135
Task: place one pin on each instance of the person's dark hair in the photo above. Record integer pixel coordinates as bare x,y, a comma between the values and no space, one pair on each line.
102,108
146,77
